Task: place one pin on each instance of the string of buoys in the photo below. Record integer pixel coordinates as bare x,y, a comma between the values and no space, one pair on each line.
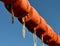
24,6
23,28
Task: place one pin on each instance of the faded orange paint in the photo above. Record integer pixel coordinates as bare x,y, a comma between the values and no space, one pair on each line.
22,8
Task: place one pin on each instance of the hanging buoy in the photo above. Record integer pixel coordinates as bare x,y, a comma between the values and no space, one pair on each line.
42,41
12,14
23,30
34,37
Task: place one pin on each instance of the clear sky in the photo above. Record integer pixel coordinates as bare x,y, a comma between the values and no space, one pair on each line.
11,34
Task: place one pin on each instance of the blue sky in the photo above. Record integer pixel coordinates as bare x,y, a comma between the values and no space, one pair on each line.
11,34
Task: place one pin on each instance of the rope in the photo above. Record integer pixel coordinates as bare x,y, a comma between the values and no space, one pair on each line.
42,41
34,37
23,30
12,14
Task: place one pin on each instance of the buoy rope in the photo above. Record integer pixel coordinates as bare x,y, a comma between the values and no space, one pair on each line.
42,41
34,37
23,30
12,13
